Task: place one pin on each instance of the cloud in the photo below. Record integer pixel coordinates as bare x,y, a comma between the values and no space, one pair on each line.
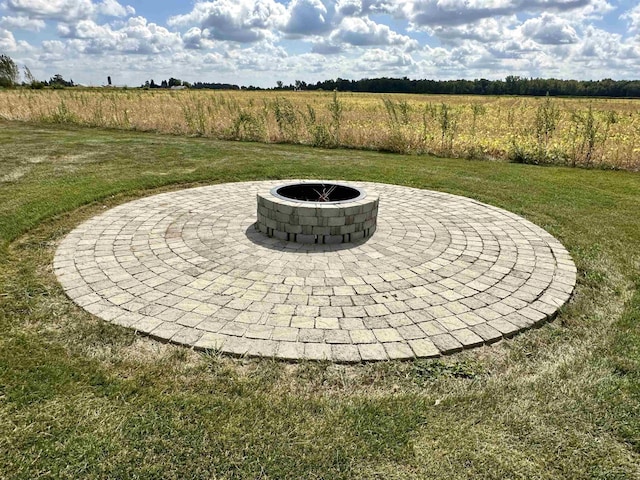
7,41
601,48
61,10
447,13
549,30
195,39
87,30
22,23
308,17
9,44
67,10
349,8
484,30
259,57
444,13
243,21
594,9
326,48
111,8
512,49
384,61
249,41
53,46
215,59
633,19
51,53
365,32
135,36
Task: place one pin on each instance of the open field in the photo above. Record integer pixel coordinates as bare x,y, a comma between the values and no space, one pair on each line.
80,398
602,133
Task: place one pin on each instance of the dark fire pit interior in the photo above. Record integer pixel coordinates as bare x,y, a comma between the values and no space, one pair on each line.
318,192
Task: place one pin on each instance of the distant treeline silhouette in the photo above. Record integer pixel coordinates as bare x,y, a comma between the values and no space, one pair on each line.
215,86
511,85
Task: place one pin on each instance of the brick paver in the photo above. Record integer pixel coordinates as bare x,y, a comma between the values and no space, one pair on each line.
441,273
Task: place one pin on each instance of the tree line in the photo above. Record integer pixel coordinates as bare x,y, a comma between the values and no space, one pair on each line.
176,82
10,76
511,85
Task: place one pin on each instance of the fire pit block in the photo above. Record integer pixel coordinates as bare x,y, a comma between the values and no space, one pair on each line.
317,212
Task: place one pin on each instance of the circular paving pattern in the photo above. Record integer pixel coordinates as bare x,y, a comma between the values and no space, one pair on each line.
440,274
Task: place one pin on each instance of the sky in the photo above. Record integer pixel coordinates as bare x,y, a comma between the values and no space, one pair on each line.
260,42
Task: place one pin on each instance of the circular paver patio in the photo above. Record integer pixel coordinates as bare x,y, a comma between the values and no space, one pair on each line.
441,273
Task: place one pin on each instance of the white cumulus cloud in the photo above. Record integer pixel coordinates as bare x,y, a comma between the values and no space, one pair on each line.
365,32
195,39
242,21
633,18
7,41
366,7
22,23
135,36
549,29
459,12
66,10
484,30
309,17
600,48
385,61
111,8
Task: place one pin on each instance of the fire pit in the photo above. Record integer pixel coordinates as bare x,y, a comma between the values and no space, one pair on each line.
317,212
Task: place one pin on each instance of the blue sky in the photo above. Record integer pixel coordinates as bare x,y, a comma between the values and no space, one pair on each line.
258,42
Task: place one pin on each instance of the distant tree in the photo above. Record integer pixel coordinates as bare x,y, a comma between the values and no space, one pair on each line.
212,86
9,73
174,82
28,76
152,84
279,84
163,84
30,80
58,81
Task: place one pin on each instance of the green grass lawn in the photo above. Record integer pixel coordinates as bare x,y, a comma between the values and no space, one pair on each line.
80,398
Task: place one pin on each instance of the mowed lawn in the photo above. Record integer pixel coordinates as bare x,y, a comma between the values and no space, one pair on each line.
80,398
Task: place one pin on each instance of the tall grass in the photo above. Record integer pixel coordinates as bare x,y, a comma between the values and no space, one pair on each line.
575,132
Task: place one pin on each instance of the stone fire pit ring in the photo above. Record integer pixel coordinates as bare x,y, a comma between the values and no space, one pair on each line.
317,211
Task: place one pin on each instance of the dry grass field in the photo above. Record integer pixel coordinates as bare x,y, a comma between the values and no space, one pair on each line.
602,133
